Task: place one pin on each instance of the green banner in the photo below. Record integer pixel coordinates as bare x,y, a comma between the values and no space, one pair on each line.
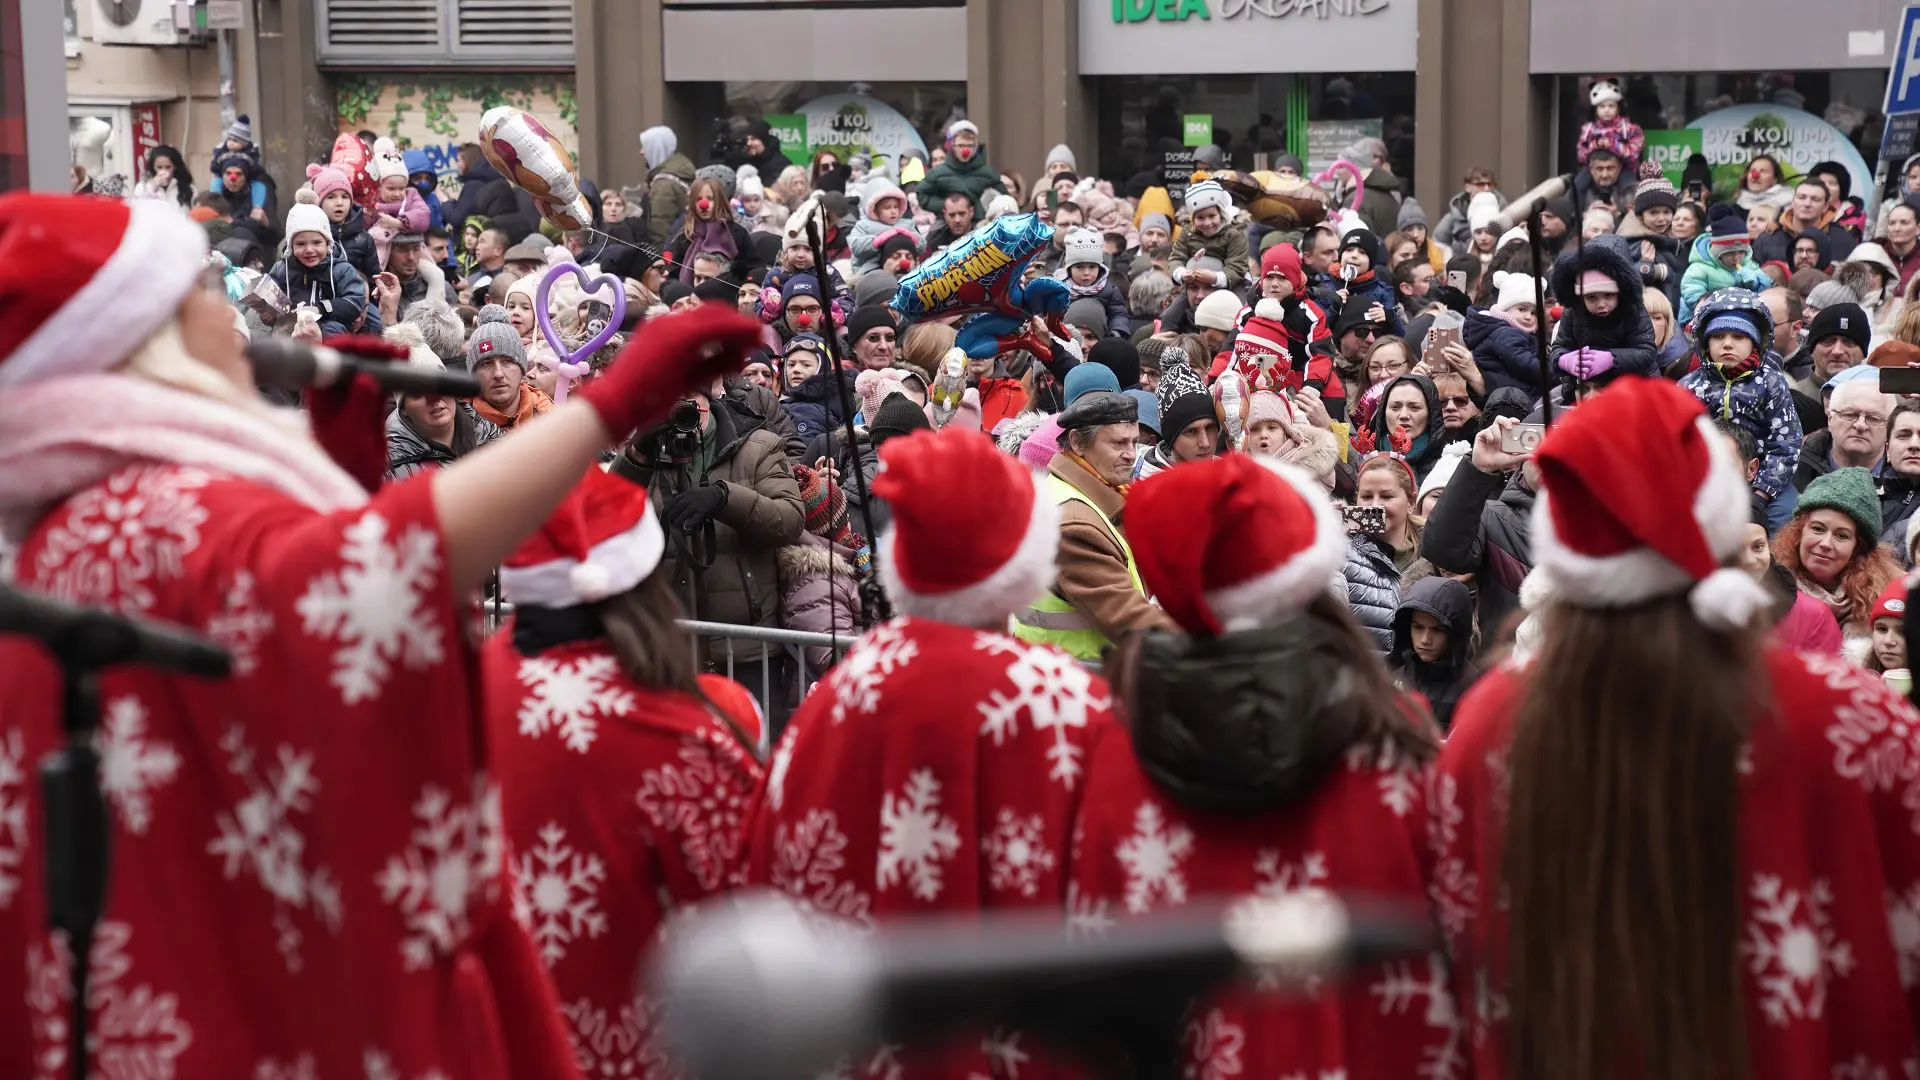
1670,150
1198,128
791,130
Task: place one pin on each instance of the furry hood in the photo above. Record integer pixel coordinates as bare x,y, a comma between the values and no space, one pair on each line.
1611,260
798,562
1318,451
875,192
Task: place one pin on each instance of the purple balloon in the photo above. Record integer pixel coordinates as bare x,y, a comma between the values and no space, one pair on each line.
573,365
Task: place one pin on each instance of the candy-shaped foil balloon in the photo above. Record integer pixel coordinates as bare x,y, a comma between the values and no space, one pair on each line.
350,156
528,155
982,272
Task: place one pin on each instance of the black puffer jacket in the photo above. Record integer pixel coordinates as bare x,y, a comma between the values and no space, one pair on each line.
1627,332
1443,681
1483,526
410,451
1373,589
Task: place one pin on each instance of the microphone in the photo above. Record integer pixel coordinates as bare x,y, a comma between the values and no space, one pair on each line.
283,362
92,639
752,992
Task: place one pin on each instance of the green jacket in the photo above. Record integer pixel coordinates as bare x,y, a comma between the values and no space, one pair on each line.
667,197
971,178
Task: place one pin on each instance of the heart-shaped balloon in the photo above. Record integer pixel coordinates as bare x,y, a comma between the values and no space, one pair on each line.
574,364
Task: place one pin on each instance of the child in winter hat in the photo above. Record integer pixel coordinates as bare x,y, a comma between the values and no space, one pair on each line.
1213,232
1720,259
1741,384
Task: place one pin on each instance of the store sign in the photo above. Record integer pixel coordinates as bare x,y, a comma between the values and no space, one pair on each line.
1224,37
1327,138
146,136
847,124
1133,11
1196,129
1731,138
1164,10
1670,150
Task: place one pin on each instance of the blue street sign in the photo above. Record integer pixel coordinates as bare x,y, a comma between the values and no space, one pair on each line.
1903,77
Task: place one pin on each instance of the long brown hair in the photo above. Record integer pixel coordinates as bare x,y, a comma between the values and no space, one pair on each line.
641,629
1620,859
715,192
1869,571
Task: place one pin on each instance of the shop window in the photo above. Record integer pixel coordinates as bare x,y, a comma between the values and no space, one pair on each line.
1143,118
810,116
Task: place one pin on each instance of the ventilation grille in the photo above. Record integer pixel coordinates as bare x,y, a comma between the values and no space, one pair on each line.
441,33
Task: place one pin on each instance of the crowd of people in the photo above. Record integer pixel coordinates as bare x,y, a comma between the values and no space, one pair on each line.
1553,585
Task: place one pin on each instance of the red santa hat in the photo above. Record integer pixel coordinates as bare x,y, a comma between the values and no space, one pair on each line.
972,538
1609,528
602,540
85,281
1234,542
1260,352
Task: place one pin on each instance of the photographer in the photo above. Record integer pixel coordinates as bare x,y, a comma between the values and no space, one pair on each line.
719,478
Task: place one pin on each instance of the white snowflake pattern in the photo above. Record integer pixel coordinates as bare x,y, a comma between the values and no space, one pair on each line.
241,624
1792,948
259,835
697,802
1087,917
1151,857
453,857
1399,775
1004,1056
1903,925
554,890
1275,878
377,1065
378,605
915,837
808,856
616,1042
121,537
1875,734
859,677
135,1031
1455,889
777,772
1490,1007
300,1068
13,814
131,763
1399,989
1052,691
1017,853
571,697
1213,1047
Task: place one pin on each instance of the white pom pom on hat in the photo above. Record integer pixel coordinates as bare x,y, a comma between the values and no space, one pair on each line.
601,541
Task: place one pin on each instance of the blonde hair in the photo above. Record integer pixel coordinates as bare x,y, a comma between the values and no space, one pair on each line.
163,358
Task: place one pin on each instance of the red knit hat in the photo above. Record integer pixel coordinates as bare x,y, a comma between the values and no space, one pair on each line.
972,538
1260,353
601,541
84,281
1232,542
1641,498
1893,601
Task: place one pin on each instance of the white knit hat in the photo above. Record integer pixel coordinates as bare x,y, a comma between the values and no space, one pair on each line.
305,216
1514,289
1084,246
1209,193
1219,311
1482,209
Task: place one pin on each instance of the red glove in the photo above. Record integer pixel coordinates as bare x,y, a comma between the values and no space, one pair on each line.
669,356
350,421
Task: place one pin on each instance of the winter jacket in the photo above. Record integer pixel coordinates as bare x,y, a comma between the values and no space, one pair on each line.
357,244
410,451
1373,589
1899,498
1505,354
770,162
1777,246
1229,245
867,234
1761,403
1445,680
1366,290
819,594
1380,201
485,192
746,265
1705,275
815,405
410,211
1627,333
1483,526
1093,571
418,163
1815,460
1119,320
761,514
970,178
1663,271
414,290
763,405
334,287
668,185
1454,229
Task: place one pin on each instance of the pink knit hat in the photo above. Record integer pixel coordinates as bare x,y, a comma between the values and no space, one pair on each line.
1267,405
873,388
1597,281
326,180
1041,446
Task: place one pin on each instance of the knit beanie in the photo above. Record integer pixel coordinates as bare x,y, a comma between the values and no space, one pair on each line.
875,288
1122,357
1411,214
874,387
304,216
1175,415
867,318
1847,320
1041,444
1156,221
493,336
1219,311
1482,209
1893,601
241,130
1177,378
1151,348
1513,289
1654,189
1087,378
824,501
1830,294
326,180
1730,235
1088,314
1849,491
1083,245
898,416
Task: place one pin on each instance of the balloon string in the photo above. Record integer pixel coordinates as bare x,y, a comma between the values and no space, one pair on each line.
656,254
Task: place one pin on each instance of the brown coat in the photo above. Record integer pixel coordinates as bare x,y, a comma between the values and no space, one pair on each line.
1093,569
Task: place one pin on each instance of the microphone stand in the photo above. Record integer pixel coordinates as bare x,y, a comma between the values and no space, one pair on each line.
85,642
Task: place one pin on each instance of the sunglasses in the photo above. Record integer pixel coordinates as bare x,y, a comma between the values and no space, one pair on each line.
1367,332
1457,402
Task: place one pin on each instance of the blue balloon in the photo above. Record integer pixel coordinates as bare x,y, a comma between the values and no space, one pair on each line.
980,272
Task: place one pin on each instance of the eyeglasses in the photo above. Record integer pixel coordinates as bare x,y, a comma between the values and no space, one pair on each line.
1859,419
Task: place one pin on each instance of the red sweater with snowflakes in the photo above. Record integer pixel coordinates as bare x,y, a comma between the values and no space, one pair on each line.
623,805
1138,852
1829,871
307,874
935,770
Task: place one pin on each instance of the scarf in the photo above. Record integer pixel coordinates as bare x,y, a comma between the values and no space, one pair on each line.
532,403
54,442
1835,600
709,236
1095,473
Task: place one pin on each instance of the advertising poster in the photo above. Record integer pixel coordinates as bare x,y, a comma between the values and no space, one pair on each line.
1797,140
852,123
1326,138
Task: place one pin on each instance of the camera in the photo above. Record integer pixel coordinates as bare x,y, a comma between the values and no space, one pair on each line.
1522,438
1366,520
682,437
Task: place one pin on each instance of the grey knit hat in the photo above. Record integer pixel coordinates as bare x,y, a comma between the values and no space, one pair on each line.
719,174
493,336
1831,294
